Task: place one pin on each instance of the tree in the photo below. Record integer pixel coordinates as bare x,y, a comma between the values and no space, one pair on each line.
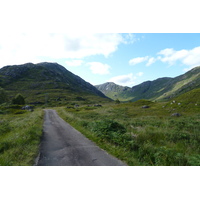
3,96
18,99
117,101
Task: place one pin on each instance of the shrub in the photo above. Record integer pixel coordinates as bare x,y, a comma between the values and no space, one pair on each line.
18,99
194,160
108,129
117,101
108,126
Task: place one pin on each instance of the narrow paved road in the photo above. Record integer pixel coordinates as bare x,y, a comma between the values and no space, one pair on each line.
62,145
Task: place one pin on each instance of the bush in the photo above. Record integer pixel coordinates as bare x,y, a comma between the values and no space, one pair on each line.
194,160
110,130
18,99
117,101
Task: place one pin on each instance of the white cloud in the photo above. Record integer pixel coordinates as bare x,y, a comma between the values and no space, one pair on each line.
151,61
126,80
74,63
130,38
190,58
33,47
99,68
138,60
139,73
193,57
166,52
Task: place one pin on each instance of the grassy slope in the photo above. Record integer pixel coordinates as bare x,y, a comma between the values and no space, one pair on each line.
152,136
159,89
45,82
20,137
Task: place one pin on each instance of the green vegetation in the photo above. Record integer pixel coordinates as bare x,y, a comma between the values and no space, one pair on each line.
46,83
18,99
142,136
3,96
139,133
20,133
159,89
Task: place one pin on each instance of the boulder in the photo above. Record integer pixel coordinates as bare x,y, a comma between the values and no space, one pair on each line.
29,108
176,115
145,106
97,105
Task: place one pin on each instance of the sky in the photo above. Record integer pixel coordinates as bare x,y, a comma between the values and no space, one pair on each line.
101,43
126,59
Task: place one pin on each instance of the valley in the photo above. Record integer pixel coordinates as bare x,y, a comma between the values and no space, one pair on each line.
159,126
162,89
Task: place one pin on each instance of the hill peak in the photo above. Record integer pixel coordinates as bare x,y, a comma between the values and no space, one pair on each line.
159,89
44,77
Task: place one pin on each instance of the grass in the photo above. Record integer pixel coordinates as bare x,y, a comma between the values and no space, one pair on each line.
140,136
20,137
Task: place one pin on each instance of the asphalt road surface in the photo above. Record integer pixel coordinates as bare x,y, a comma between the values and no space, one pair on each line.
62,145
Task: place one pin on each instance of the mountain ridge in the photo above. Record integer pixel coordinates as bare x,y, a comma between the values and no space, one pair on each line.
37,80
160,89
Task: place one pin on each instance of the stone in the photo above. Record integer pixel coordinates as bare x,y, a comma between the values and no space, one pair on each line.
176,115
145,106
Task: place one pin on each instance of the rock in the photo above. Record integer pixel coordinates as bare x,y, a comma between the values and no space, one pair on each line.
97,105
145,106
29,108
176,115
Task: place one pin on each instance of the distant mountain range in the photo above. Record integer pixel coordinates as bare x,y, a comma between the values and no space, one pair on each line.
159,89
53,83
46,82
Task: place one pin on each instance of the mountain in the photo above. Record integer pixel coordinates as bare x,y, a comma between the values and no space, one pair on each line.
159,89
46,82
115,91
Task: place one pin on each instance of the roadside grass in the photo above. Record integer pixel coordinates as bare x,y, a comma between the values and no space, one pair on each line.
20,134
141,137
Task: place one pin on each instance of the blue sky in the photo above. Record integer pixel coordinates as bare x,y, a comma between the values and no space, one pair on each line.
127,59
145,57
104,41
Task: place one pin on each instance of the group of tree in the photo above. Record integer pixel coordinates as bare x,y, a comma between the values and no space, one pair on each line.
18,99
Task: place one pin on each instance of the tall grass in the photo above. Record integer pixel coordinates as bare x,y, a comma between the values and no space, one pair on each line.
140,136
20,137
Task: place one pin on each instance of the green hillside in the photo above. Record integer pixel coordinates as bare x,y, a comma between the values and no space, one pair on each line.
115,91
188,102
161,89
47,83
